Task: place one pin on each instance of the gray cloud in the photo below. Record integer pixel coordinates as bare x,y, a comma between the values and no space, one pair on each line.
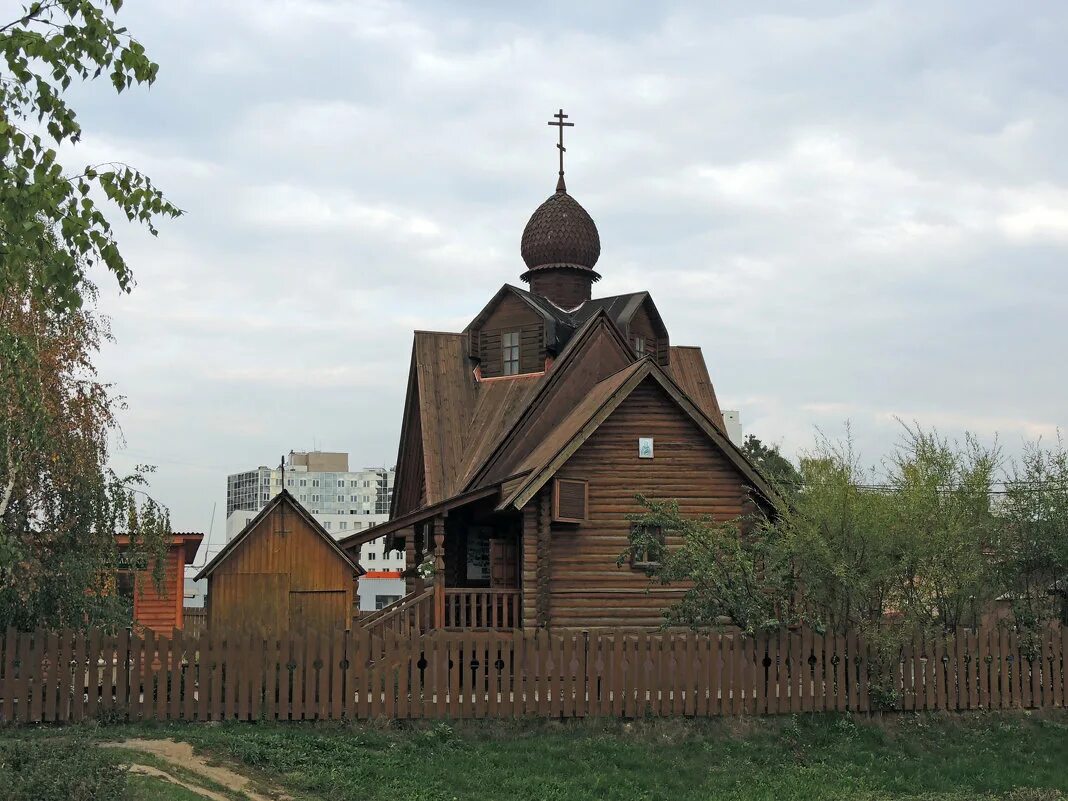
858,210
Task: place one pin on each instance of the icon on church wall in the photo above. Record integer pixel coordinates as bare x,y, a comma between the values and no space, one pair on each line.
645,447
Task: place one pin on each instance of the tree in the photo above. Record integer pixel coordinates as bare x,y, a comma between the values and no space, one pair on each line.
51,227
1032,547
776,468
846,549
730,577
60,505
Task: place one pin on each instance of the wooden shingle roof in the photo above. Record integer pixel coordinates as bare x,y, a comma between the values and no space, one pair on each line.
462,435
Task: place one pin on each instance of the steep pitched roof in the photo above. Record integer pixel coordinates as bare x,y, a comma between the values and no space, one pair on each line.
461,435
554,450
287,498
595,351
687,367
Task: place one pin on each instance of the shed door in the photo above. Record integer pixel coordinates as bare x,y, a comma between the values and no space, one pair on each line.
324,611
503,572
242,604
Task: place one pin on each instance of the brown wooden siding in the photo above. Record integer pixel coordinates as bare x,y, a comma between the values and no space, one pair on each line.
528,577
282,576
511,314
161,609
587,588
656,341
566,288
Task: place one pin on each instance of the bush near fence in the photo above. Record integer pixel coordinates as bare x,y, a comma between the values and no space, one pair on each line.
78,675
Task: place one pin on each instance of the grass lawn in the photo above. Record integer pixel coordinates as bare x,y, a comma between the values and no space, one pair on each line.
1018,756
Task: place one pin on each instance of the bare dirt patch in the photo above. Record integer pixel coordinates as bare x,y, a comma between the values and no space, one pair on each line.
203,792
181,756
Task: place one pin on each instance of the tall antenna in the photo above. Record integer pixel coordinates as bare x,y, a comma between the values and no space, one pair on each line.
207,539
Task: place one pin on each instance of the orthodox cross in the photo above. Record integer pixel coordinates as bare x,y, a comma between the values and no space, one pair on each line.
560,117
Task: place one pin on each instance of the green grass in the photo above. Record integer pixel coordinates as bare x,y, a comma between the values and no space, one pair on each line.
942,757
152,788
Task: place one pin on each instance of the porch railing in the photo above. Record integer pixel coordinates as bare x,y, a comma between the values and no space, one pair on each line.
482,609
410,614
464,609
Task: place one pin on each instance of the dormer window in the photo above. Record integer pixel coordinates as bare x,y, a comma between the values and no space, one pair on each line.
510,353
639,346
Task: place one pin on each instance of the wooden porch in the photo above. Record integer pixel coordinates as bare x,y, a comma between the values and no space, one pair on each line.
461,608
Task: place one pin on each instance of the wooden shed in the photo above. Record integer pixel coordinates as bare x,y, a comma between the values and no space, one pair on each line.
283,572
159,608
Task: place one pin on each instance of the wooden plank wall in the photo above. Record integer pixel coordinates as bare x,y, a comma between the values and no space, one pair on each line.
75,675
588,588
512,314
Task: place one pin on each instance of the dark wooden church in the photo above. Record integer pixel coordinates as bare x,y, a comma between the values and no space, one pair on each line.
526,437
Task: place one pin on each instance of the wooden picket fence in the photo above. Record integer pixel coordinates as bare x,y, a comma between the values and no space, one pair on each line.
78,675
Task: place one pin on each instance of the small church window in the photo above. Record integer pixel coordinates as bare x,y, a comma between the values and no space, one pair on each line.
647,546
639,346
510,352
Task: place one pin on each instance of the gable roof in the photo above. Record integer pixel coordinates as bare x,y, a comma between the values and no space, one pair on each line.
460,434
562,324
570,368
554,451
287,498
687,367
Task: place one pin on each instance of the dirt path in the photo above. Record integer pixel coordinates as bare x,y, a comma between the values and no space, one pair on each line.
148,770
181,756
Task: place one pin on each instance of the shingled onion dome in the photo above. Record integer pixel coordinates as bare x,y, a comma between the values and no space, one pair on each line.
560,247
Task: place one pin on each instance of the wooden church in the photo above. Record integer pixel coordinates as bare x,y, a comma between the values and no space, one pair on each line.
526,437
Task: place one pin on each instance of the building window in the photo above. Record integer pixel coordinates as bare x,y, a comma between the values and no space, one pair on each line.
315,482
341,483
382,601
304,497
343,525
371,556
289,482
639,345
646,546
327,525
304,482
510,352
315,498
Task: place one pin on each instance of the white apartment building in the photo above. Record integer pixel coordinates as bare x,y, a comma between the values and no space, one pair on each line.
344,501
732,421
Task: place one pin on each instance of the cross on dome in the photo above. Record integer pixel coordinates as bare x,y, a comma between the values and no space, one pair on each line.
560,117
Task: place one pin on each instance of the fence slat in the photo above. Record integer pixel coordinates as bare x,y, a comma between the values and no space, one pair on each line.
172,683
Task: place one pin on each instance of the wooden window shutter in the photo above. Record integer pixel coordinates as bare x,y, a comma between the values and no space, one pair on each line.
571,498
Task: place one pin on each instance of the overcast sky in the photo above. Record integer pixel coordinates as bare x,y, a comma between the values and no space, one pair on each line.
858,210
